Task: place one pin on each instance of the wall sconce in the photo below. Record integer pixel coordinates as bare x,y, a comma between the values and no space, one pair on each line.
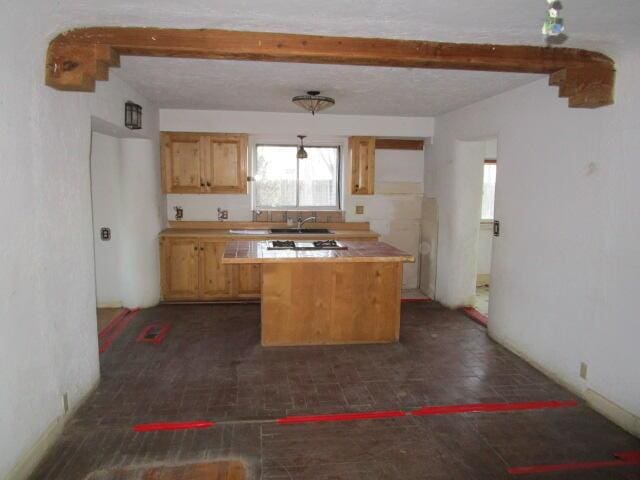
132,116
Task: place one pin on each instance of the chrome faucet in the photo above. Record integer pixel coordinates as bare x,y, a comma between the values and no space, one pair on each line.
302,222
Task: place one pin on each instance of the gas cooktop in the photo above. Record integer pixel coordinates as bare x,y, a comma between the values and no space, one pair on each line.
305,245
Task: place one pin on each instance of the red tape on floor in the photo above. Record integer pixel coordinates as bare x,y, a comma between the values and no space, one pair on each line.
154,427
475,315
153,333
493,407
345,417
340,417
117,330
623,459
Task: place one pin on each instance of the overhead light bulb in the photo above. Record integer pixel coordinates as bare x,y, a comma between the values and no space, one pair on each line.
302,153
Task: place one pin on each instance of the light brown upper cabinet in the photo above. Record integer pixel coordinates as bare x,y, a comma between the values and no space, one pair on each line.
362,152
204,162
225,163
181,154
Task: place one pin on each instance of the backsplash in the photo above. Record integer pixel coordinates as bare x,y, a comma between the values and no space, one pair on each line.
281,216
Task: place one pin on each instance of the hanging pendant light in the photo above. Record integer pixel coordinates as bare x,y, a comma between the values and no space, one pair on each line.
302,153
313,102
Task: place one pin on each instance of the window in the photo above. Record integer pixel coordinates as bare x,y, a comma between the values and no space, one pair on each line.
488,189
284,181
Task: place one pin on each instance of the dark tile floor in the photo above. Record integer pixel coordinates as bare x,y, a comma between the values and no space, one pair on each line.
212,367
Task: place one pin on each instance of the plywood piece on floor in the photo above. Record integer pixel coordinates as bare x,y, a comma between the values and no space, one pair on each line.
105,315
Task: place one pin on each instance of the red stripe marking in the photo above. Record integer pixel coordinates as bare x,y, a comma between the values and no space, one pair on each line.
628,456
417,300
114,321
475,315
164,330
340,417
493,407
154,427
622,459
117,330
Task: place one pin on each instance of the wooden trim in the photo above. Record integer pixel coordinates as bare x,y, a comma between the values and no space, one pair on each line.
490,161
77,58
398,144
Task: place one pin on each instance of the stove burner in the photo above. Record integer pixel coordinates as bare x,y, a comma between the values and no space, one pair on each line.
284,243
325,243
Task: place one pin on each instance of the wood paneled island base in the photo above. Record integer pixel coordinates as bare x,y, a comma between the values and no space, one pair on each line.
327,297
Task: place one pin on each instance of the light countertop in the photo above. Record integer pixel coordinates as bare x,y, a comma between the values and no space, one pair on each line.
262,234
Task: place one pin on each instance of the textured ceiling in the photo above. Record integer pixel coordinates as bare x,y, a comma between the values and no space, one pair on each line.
606,26
263,86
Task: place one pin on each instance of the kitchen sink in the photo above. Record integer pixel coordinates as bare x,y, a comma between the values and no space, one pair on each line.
297,231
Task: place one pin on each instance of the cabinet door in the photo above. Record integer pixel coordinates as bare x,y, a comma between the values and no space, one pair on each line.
362,154
215,278
248,280
179,268
181,162
225,163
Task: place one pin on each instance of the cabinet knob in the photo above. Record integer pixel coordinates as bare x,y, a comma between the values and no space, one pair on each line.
208,184
195,248
202,184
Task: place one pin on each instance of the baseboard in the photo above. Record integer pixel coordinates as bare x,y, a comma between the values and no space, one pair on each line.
614,412
30,460
27,464
618,415
110,305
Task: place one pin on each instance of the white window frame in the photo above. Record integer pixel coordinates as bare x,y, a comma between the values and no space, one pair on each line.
293,141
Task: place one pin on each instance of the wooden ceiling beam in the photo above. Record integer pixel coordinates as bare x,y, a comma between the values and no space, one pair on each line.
77,58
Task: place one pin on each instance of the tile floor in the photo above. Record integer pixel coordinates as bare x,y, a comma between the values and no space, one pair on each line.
212,367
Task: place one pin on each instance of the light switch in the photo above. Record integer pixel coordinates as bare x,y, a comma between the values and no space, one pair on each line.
105,234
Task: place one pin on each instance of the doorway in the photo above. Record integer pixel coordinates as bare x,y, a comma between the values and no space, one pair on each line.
106,208
485,233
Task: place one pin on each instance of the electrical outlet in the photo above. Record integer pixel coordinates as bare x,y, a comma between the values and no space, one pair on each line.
223,214
359,209
583,370
65,402
105,234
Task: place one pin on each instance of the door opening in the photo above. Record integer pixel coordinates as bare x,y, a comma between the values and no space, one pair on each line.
486,231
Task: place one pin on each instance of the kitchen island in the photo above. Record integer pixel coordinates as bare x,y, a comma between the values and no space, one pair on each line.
319,296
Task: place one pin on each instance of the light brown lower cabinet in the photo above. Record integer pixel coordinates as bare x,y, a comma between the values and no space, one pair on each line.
179,261
191,270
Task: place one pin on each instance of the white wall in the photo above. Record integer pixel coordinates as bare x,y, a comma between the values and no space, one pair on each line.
107,208
269,123
142,220
47,288
566,266
394,211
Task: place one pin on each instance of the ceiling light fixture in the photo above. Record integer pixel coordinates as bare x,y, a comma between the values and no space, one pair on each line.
313,102
302,153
